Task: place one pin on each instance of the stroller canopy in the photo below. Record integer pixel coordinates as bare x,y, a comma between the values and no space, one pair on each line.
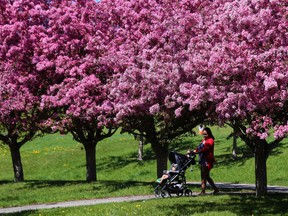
180,159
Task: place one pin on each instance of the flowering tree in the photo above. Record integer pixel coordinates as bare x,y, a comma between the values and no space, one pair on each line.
51,52
18,117
21,24
257,62
246,56
73,50
151,59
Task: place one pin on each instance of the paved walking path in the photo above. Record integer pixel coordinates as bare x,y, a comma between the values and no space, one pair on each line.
75,203
271,189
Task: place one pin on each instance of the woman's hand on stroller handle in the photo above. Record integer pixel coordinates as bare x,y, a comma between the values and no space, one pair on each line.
190,153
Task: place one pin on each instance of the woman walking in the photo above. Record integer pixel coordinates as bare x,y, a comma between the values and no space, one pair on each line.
206,159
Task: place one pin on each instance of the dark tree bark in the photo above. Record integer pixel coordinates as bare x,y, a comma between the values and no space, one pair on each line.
90,152
161,152
260,167
16,162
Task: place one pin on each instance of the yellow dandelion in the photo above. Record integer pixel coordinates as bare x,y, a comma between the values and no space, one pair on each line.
35,152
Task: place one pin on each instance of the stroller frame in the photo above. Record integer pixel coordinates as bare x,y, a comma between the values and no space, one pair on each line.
176,182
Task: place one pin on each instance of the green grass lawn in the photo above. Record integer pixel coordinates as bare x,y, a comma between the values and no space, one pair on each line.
222,205
54,170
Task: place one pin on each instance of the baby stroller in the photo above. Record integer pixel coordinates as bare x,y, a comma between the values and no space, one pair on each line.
176,181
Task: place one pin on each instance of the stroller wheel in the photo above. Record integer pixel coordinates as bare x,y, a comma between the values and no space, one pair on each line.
157,193
179,193
188,192
165,193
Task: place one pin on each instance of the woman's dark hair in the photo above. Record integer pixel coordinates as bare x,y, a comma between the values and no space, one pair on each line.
209,132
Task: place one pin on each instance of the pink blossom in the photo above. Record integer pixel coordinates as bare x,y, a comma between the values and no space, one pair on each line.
154,109
270,83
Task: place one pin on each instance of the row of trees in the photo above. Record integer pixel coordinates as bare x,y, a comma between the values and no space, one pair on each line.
154,68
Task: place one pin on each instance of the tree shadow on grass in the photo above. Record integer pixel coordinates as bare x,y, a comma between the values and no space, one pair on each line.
181,147
3,182
279,149
100,184
228,161
116,162
238,204
244,153
22,213
37,184
112,186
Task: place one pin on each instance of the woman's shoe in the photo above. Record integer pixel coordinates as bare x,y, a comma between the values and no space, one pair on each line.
202,193
216,190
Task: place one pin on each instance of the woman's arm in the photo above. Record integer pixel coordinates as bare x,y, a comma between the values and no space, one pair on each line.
207,145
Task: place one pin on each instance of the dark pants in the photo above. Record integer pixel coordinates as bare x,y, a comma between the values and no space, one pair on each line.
205,176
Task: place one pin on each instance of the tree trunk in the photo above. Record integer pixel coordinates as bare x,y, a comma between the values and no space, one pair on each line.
140,148
260,168
17,164
234,153
161,152
90,150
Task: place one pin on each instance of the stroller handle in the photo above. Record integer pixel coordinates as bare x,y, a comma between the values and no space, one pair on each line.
191,155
